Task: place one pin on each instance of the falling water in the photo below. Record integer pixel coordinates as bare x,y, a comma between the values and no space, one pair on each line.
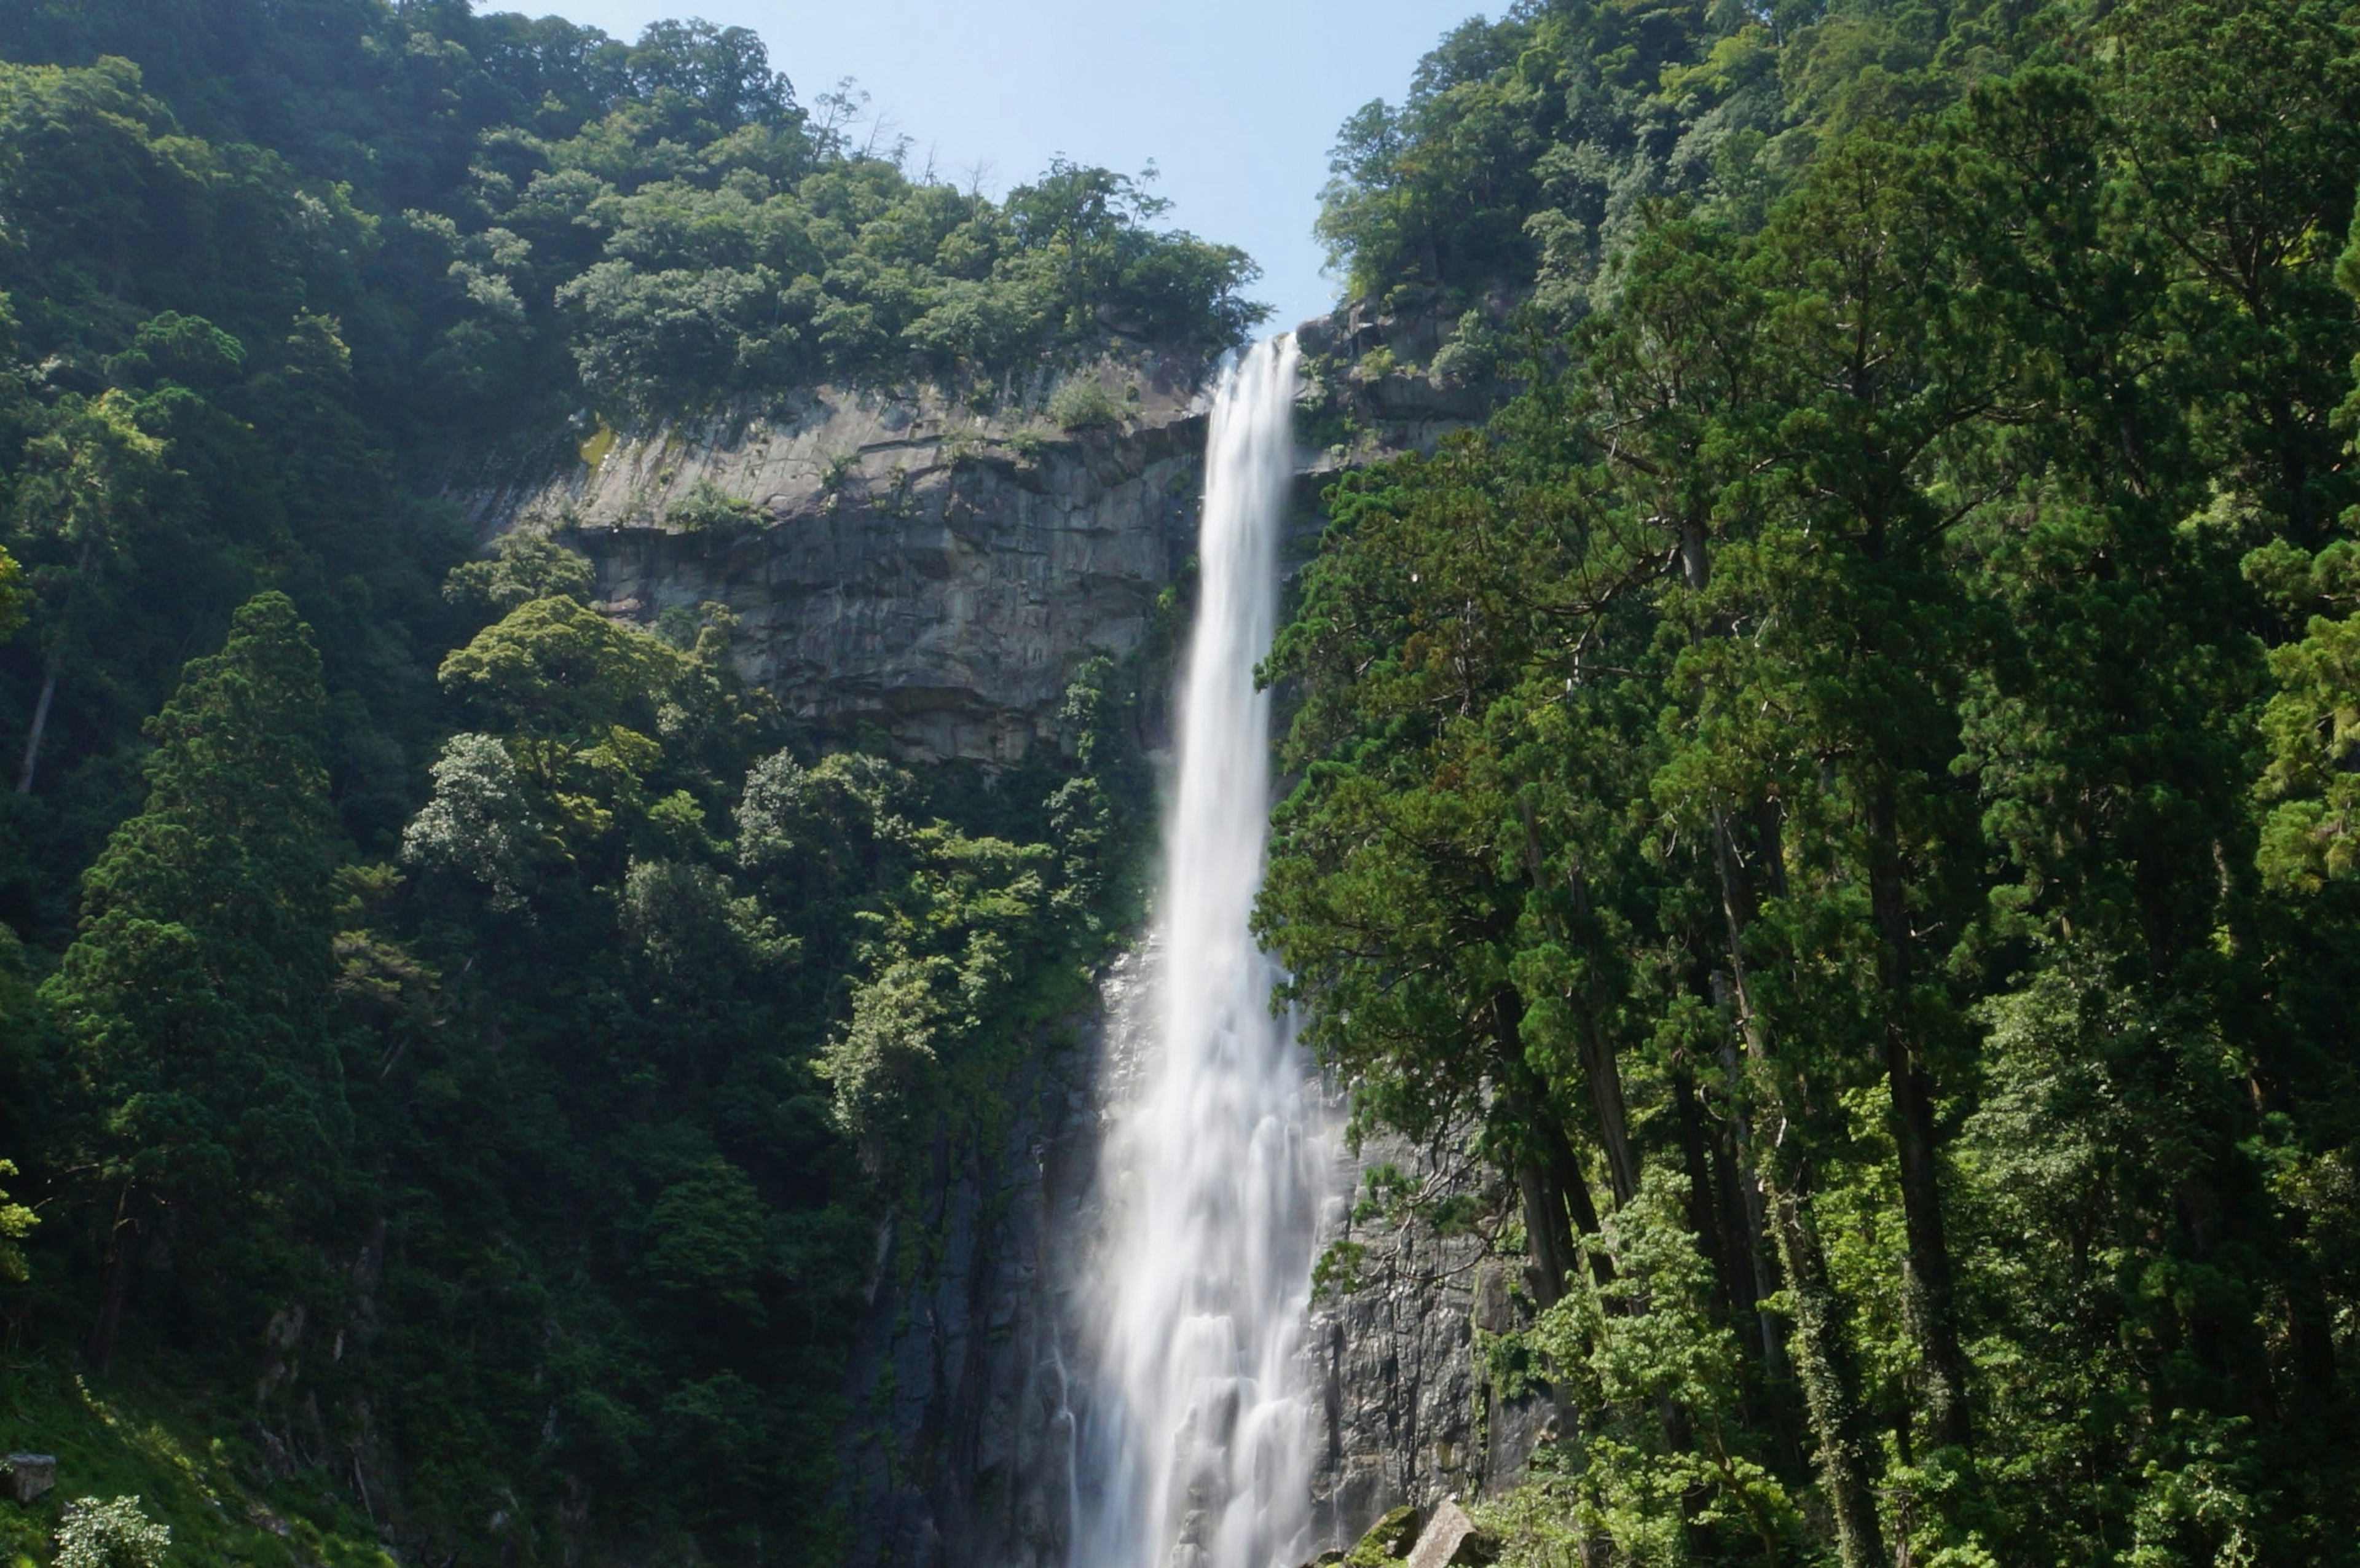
1201,1453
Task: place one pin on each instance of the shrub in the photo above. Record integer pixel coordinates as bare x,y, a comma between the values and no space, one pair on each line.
708,505
1081,404
111,1535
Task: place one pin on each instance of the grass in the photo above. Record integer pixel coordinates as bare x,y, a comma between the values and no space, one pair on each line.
601,441
126,1438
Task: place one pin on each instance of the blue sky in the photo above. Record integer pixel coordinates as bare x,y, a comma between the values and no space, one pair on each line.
1237,101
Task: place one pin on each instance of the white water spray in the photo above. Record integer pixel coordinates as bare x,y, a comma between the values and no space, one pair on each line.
1201,1451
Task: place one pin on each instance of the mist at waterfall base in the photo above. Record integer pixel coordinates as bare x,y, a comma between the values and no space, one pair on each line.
1197,1449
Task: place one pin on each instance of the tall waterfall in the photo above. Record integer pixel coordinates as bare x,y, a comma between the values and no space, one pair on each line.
1200,1454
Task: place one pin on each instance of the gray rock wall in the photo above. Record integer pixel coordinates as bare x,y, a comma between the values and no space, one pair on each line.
969,1381
901,567
910,569
959,1449
1407,1413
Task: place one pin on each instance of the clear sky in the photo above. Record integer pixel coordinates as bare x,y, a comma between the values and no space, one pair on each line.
1236,101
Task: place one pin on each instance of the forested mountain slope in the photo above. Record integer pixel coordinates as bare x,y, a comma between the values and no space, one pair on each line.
1842,790
455,1046
1836,796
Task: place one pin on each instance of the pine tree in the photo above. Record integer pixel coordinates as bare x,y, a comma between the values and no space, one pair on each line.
193,998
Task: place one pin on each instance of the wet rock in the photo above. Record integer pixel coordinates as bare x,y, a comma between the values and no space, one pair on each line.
1493,1313
961,1450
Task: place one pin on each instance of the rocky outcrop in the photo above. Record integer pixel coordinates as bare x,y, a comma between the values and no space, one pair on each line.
1451,1539
1370,389
961,1449
903,568
1409,1412
916,572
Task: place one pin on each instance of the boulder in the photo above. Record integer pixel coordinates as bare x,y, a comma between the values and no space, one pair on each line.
1451,1539
30,1474
1387,1541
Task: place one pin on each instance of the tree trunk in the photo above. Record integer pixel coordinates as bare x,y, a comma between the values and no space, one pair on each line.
1565,1171
1753,1217
1546,1233
1823,1368
1556,1201
1706,1214
40,724
1821,1360
1927,1292
1605,1078
1546,1229
116,1288
1600,1071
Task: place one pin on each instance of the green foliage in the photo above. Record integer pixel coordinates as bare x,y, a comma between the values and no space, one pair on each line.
112,1534
17,1222
1386,1542
1531,151
2312,726
477,825
415,1057
523,566
939,958
1080,403
1647,1341
1839,791
193,999
708,505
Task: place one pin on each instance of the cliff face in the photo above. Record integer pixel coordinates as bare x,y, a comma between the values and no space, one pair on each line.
924,574
928,576
1409,1410
960,1446
909,568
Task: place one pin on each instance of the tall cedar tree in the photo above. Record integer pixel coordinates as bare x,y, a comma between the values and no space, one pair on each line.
193,998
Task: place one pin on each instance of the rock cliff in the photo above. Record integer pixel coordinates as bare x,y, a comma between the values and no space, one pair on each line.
902,567
910,569
1409,1411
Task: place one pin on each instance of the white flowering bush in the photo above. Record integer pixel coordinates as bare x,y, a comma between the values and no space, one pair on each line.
111,1535
478,824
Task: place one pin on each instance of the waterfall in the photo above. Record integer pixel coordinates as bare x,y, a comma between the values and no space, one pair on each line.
1199,1455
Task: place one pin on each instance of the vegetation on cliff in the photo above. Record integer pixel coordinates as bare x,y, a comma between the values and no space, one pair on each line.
1841,788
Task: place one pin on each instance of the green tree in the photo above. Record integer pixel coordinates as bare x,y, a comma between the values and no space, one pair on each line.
85,485
192,999
17,1222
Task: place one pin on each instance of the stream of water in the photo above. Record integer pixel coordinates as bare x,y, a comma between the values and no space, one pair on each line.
1200,1449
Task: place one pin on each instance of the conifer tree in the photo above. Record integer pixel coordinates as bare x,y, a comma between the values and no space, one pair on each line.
194,996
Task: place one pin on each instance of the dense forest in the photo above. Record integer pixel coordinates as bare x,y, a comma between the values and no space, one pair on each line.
455,1046
1842,789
